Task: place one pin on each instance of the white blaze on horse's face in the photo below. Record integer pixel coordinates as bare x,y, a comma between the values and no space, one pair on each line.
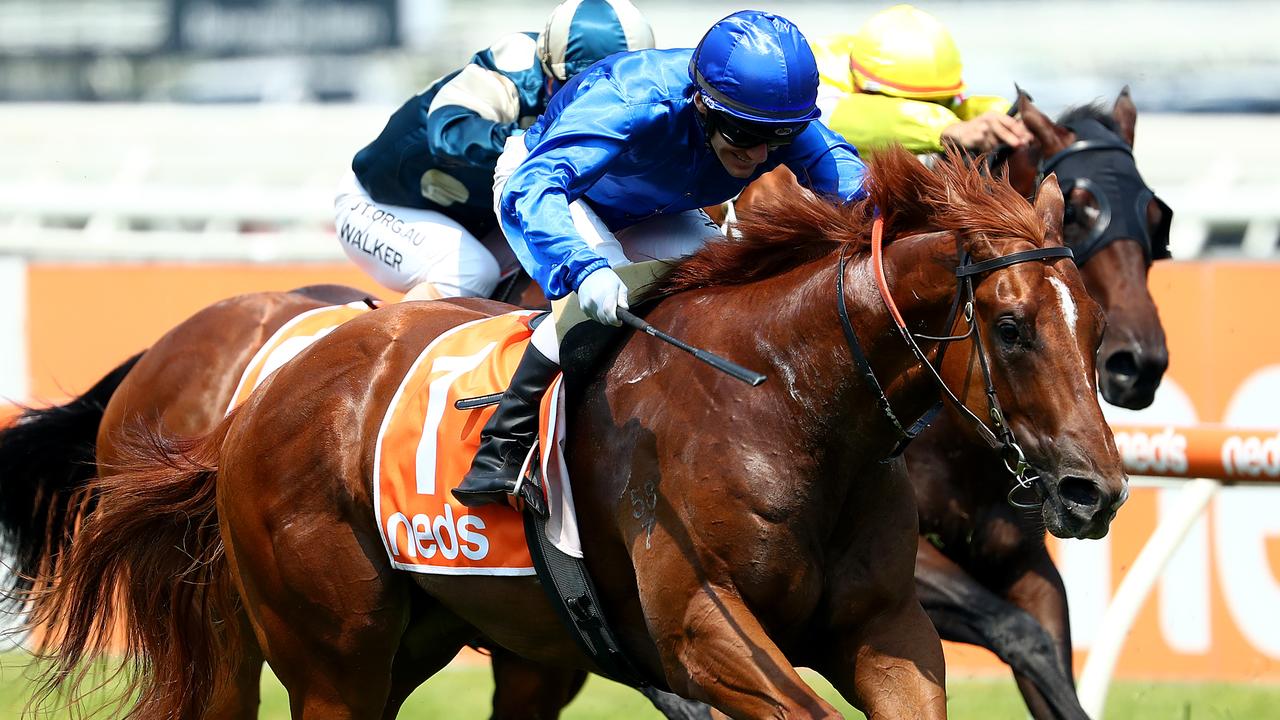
1069,311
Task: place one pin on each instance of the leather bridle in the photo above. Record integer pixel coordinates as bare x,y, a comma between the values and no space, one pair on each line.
998,435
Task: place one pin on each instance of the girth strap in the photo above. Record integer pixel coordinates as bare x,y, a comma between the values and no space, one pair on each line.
574,597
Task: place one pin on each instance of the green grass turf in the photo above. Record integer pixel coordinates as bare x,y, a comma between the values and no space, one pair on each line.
463,692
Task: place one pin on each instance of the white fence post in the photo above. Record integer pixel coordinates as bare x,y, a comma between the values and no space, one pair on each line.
1095,680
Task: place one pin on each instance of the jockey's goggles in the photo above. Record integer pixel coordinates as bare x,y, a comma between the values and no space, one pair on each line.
743,135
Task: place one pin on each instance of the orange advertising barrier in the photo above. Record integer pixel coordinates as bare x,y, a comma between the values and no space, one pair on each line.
1232,455
83,320
1215,611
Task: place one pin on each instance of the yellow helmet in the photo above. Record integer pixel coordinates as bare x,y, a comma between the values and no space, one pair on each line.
907,53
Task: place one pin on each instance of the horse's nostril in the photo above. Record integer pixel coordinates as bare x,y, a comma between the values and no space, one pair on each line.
1123,363
1080,491
1152,370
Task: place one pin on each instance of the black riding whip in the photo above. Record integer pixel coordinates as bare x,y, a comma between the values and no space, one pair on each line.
750,377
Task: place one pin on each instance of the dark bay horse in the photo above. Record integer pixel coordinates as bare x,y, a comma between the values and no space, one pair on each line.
780,534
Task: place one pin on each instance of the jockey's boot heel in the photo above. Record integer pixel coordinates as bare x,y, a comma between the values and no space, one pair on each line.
507,438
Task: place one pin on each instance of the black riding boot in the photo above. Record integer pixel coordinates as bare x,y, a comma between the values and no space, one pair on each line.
507,437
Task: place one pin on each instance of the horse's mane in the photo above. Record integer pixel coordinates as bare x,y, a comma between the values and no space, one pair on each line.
1092,111
796,226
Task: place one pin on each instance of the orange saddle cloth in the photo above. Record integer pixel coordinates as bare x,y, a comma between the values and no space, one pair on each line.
426,444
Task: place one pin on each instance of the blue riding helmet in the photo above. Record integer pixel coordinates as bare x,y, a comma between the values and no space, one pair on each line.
581,32
756,68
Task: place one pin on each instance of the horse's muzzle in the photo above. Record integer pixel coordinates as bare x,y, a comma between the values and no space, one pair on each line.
1081,507
1128,376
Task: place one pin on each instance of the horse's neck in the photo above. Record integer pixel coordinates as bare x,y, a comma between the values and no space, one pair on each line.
796,316
919,271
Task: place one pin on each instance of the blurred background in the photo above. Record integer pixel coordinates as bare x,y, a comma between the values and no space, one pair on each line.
1216,57
118,116
157,155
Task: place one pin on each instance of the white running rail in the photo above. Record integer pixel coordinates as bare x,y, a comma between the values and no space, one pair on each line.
256,182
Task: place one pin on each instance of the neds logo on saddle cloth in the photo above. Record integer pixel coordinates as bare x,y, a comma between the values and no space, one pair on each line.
426,444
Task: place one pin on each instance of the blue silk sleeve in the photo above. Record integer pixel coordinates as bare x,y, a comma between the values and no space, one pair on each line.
569,157
826,164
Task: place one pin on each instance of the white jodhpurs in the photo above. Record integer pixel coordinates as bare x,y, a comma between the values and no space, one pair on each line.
401,247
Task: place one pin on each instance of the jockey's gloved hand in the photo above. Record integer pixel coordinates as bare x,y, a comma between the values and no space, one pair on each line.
601,294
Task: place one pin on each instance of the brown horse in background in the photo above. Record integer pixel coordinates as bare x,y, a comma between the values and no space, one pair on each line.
778,537
48,455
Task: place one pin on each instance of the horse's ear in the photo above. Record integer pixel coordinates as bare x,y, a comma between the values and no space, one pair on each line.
1051,136
1125,114
1049,207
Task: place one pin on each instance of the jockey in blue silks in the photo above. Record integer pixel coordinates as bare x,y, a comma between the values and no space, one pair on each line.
619,166
416,212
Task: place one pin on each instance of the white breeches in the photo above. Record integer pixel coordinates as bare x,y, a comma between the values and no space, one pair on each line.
401,247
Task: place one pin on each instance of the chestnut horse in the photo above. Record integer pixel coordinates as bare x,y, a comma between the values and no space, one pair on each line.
984,575
782,533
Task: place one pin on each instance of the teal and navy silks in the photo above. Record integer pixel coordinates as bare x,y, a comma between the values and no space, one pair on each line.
625,136
580,32
439,149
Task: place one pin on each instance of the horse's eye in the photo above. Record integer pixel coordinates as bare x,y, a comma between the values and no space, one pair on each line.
1007,330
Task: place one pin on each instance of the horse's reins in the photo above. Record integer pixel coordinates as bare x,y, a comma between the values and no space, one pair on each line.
1001,438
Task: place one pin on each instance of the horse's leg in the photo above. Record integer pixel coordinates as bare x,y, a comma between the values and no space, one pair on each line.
964,611
674,707
720,654
328,610
883,654
432,640
1039,591
891,667
525,689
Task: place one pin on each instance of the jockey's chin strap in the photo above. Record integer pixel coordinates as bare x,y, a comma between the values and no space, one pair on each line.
998,436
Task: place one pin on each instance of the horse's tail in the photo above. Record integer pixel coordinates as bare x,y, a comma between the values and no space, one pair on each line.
46,458
147,579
